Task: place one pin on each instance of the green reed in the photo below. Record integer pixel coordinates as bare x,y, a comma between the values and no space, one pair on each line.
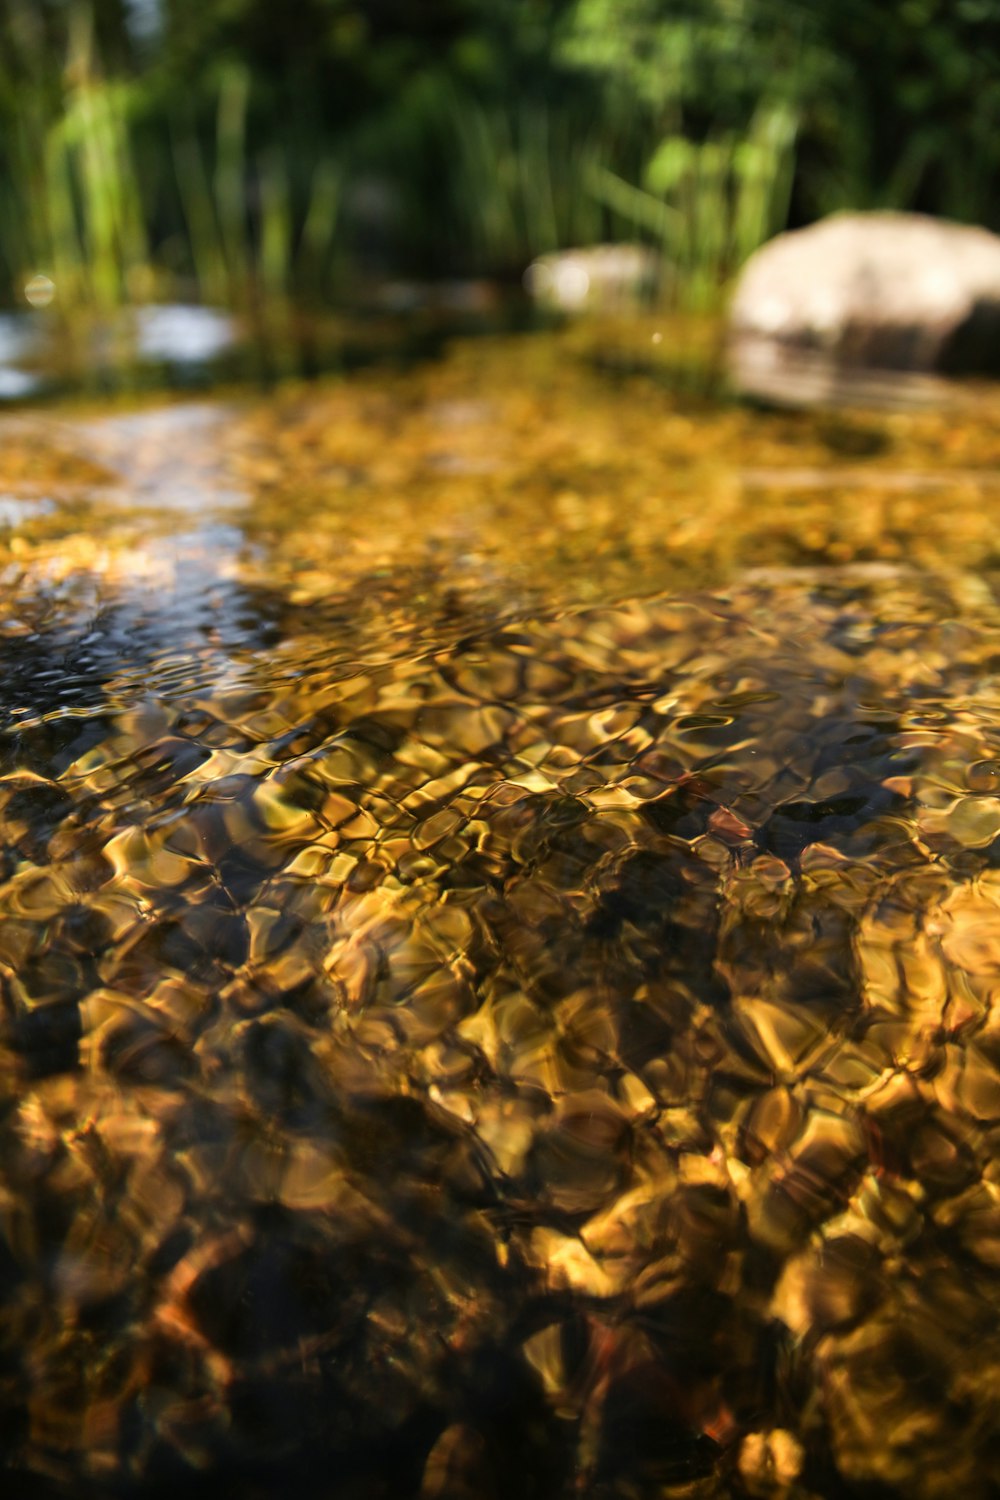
119,201
709,204
79,204
204,238
84,180
515,173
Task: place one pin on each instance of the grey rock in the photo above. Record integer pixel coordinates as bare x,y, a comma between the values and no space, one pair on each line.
871,291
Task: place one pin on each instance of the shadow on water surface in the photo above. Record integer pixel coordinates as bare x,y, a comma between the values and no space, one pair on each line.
498,964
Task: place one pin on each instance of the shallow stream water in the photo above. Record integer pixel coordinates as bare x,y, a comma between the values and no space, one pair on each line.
500,939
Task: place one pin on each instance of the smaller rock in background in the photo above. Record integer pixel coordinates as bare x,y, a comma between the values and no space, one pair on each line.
601,278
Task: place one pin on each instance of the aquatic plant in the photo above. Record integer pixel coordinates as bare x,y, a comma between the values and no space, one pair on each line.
225,154
74,202
113,205
520,170
710,203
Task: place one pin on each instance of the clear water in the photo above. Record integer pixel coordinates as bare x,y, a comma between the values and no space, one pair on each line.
499,941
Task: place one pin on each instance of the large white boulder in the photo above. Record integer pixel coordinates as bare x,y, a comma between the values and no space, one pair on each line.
887,291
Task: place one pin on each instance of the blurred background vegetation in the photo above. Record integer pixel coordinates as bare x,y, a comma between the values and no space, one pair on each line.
246,153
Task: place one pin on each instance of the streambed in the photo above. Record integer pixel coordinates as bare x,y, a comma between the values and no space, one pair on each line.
500,939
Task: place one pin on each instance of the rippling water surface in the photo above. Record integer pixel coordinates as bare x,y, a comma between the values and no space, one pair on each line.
500,943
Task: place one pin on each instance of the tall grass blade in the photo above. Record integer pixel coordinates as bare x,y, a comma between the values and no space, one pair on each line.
208,257
230,178
275,228
319,228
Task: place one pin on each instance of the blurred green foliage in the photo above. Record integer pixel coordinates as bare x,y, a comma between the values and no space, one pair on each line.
243,151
